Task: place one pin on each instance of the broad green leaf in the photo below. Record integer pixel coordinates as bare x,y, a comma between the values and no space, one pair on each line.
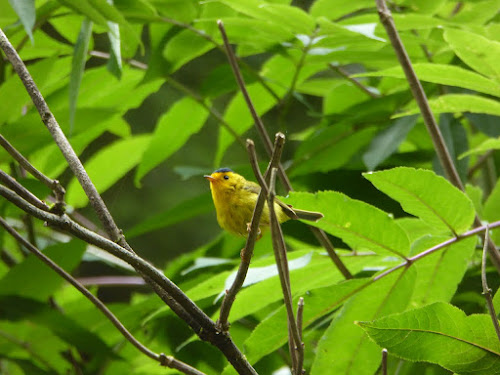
487,145
480,53
342,97
34,279
183,211
182,120
475,194
457,103
440,333
476,13
414,21
427,196
449,75
107,166
492,205
78,66
25,9
439,274
387,141
272,332
358,224
17,308
185,47
360,355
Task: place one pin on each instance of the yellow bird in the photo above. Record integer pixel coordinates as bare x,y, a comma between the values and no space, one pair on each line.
235,198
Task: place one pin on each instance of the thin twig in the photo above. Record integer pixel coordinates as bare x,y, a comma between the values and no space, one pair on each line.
318,233
247,252
479,163
12,184
279,247
7,258
427,115
354,81
54,185
384,361
300,316
486,288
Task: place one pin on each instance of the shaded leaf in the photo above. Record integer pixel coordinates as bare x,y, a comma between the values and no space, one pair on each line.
25,9
440,333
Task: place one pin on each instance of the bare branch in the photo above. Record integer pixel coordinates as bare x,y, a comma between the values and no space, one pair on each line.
354,81
12,184
486,288
427,115
384,361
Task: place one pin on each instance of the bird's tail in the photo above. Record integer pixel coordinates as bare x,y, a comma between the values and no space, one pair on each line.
308,215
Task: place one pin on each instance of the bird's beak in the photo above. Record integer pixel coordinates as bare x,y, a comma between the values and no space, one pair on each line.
209,178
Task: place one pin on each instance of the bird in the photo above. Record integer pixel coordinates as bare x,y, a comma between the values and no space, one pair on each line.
235,198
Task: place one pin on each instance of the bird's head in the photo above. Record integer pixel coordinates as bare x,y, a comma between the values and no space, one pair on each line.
224,179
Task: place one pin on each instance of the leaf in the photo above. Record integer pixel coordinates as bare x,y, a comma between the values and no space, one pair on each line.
480,53
272,332
487,145
427,196
108,166
387,141
361,226
34,279
457,103
25,9
183,119
328,9
449,75
360,355
440,333
78,66
115,57
439,274
184,47
492,205
183,211
85,8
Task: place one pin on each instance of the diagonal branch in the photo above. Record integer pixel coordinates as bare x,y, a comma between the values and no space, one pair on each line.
171,362
486,288
427,115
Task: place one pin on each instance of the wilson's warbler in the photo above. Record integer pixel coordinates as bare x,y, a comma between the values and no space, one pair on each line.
235,198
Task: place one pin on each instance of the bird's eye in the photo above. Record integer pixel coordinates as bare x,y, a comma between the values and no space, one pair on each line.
226,177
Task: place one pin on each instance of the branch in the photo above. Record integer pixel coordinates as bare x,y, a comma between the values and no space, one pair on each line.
318,233
54,185
12,184
427,115
279,248
354,81
384,361
486,289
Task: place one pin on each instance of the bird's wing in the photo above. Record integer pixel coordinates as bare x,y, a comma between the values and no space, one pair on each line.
252,187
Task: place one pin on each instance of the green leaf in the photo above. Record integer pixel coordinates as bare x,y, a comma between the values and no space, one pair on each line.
480,53
108,166
272,332
183,48
449,75
360,355
115,56
84,7
457,103
441,334
387,141
33,279
427,196
439,274
78,66
333,10
182,120
25,9
361,226
492,205
181,212
487,145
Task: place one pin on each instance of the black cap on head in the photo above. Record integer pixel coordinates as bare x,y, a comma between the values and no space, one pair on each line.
223,170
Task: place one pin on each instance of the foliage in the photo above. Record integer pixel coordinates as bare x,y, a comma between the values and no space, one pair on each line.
143,89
